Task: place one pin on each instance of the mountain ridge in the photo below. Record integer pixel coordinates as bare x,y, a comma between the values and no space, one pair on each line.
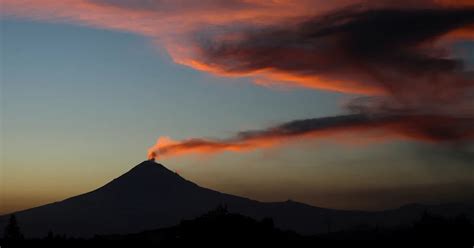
150,196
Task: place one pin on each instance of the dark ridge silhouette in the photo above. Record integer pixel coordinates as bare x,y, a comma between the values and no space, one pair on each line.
224,229
149,196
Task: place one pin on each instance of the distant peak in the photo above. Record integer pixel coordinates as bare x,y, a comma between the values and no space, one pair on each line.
148,170
149,166
150,161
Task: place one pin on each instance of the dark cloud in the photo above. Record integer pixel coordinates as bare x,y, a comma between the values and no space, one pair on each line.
391,50
425,94
428,128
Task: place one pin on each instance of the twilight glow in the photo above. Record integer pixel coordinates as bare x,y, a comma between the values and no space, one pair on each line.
319,101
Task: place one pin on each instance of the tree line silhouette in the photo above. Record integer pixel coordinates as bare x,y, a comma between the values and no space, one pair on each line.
221,228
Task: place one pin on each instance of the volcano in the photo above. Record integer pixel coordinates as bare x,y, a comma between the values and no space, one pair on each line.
150,196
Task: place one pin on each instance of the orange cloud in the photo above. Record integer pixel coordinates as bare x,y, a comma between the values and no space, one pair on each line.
393,52
171,23
426,128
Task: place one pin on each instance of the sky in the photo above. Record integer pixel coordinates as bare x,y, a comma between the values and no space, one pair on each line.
271,100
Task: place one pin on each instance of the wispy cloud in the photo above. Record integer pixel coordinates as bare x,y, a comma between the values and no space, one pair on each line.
426,128
355,49
396,53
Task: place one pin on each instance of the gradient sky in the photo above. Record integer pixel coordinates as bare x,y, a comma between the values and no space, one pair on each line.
82,103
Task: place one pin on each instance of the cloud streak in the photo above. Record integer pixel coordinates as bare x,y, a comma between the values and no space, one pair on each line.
355,49
396,54
427,128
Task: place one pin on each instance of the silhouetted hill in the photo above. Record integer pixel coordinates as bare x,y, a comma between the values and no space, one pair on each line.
216,227
219,228
149,196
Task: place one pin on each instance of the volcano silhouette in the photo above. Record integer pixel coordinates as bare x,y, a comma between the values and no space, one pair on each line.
150,196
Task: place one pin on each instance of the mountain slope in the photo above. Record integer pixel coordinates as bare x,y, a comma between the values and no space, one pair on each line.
150,196
147,196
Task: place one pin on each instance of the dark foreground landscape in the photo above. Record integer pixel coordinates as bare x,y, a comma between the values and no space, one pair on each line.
150,206
221,228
